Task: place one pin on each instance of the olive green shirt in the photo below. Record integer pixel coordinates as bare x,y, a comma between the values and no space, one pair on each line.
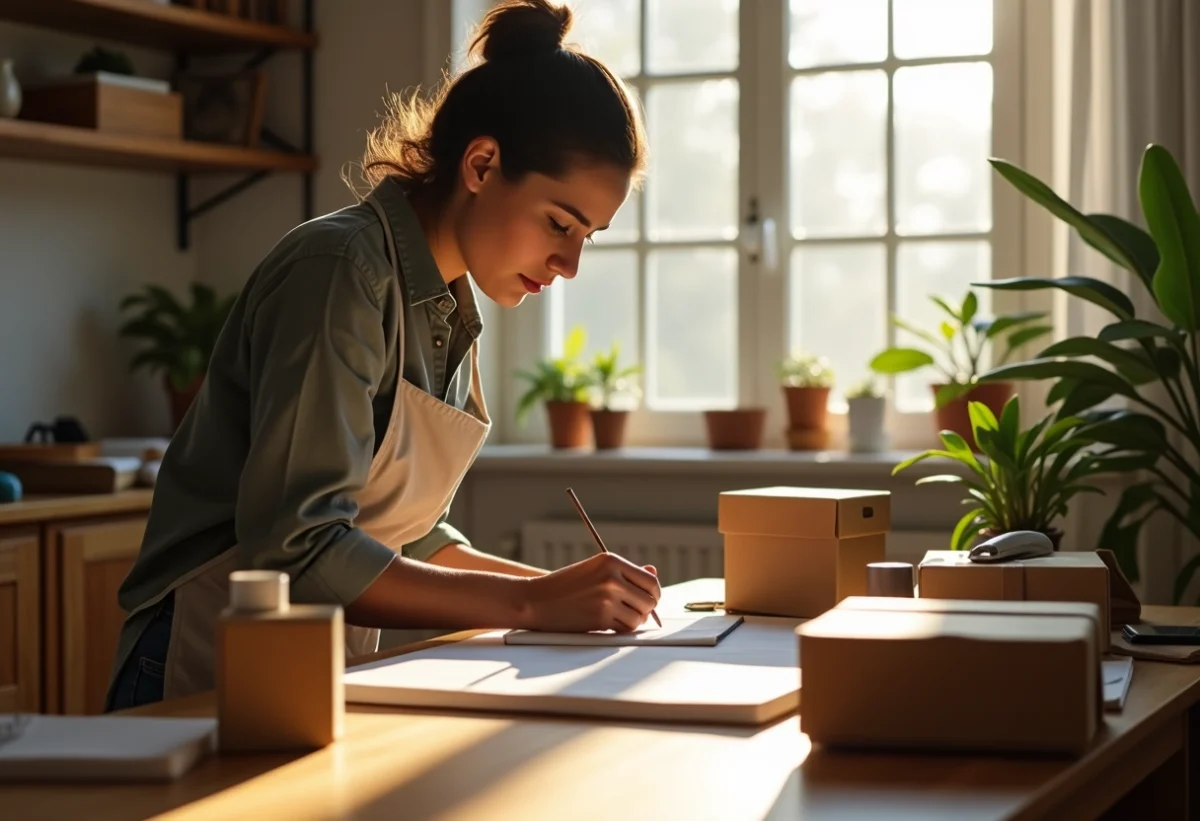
298,395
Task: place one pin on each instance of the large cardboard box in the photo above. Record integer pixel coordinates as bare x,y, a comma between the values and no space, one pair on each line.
931,674
796,552
1063,577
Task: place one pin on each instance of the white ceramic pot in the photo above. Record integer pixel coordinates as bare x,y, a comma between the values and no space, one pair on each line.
867,415
10,91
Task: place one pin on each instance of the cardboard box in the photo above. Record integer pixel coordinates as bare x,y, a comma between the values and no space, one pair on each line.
797,552
114,104
1061,577
952,675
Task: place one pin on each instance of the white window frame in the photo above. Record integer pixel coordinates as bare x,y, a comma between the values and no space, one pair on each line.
1021,112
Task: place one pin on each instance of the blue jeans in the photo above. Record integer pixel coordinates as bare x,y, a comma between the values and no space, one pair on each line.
141,678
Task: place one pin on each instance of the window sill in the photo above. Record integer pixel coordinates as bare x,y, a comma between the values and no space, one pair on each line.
674,460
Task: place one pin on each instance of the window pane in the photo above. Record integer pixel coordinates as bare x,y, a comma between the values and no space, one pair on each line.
836,32
837,307
692,334
943,139
691,35
941,28
692,185
624,226
603,298
610,30
925,269
838,154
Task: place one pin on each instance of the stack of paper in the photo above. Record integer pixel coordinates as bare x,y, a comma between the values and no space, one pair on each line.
101,748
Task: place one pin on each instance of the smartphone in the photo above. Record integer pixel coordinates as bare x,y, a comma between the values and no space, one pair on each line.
1161,634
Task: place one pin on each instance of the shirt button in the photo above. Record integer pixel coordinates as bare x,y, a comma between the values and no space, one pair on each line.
437,342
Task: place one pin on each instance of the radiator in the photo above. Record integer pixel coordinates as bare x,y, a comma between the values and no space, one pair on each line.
679,552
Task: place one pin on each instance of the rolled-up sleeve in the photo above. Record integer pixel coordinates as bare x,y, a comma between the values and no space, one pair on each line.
443,533
317,350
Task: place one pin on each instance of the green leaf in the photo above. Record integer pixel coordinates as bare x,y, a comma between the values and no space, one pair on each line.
1138,329
1057,369
573,344
982,417
1092,233
1093,290
1025,335
948,393
1010,426
1173,222
1136,243
900,360
1060,390
967,528
945,306
1120,536
913,329
969,308
920,457
1084,396
948,331
1128,430
997,326
1127,363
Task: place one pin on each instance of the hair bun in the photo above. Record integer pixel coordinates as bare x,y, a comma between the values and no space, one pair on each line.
521,28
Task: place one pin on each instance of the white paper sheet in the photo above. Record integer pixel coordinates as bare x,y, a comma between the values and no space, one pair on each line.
681,631
1117,675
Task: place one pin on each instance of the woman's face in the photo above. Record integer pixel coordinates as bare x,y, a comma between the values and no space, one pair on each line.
516,238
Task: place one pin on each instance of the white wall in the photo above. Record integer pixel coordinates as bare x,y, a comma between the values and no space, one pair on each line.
73,242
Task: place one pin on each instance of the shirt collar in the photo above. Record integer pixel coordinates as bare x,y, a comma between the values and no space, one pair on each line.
420,273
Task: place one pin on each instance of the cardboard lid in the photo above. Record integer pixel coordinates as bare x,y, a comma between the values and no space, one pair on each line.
916,625
1089,610
802,512
961,558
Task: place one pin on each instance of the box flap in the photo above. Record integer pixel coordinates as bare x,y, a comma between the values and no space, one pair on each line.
807,513
1088,610
849,623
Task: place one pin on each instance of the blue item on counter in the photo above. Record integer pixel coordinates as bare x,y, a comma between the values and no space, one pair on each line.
10,488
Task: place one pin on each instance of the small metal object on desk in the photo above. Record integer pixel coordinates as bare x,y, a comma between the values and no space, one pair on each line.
890,579
704,606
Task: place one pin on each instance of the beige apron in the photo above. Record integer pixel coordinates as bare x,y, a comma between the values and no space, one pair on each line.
427,449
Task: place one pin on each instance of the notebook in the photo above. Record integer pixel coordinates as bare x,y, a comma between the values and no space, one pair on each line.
682,631
101,748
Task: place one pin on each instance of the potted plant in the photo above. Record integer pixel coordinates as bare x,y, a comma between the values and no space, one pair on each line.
806,382
735,428
955,353
866,414
561,384
181,338
614,387
1133,353
1027,477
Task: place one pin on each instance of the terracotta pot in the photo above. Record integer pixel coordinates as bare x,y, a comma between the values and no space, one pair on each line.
955,417
1054,533
608,428
804,439
740,429
569,424
182,400
806,407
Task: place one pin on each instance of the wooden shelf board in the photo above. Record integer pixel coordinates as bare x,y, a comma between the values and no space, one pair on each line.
21,139
146,23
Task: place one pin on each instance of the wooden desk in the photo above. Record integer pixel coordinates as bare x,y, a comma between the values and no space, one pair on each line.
407,764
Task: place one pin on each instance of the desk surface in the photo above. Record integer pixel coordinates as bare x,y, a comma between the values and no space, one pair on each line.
395,763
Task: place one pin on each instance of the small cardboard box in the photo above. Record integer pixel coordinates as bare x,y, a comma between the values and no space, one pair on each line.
796,552
952,675
1063,577
115,104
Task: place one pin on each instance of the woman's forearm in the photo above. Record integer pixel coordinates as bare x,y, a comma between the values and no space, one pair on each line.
462,557
413,594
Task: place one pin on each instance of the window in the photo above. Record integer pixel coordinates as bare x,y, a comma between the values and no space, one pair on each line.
816,165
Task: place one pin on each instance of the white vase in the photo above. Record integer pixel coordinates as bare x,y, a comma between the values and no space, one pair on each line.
10,91
866,416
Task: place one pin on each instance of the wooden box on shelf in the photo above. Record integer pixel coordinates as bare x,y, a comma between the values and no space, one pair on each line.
115,104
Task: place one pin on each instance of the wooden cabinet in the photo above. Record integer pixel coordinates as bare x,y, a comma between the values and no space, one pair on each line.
20,621
85,562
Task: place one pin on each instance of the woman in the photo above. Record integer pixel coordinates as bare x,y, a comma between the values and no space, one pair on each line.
342,404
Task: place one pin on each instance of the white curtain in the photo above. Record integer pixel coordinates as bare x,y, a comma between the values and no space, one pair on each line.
1132,78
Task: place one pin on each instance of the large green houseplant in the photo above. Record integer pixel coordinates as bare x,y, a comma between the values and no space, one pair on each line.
561,383
180,337
955,352
1133,352
1024,478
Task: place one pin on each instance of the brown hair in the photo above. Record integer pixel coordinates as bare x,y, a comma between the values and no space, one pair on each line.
545,104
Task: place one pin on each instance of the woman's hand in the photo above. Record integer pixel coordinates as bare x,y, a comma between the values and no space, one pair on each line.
604,592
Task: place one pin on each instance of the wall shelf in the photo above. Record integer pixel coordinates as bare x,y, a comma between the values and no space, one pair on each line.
154,25
22,139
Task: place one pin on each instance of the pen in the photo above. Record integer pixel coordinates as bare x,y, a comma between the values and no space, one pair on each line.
596,536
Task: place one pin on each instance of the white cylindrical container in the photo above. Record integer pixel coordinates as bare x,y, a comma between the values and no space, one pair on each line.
867,415
10,91
258,591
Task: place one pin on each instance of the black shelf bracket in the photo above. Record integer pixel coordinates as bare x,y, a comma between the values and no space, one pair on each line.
185,212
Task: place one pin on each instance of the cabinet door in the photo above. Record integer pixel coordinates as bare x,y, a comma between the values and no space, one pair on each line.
20,621
91,559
